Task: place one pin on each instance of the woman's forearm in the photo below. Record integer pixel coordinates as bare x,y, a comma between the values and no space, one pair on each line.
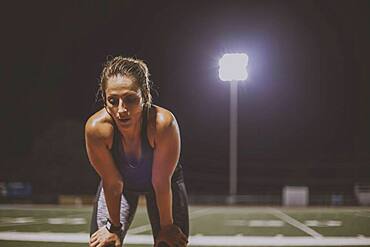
112,193
163,195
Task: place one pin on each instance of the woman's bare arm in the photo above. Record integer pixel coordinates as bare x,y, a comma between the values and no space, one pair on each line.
166,156
98,135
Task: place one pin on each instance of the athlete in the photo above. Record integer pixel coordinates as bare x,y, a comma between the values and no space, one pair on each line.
134,146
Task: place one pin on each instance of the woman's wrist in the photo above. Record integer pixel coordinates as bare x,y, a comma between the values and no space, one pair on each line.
113,228
166,223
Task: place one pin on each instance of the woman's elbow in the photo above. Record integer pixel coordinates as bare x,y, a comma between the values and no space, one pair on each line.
115,187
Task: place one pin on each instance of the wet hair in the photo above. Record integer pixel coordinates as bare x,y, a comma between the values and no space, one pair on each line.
136,69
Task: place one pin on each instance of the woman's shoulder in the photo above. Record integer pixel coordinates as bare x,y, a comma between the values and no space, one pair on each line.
162,124
99,126
161,117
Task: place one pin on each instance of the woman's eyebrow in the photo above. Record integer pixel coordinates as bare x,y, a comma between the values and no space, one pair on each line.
127,93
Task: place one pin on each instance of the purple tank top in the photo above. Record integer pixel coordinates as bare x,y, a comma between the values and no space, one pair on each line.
137,174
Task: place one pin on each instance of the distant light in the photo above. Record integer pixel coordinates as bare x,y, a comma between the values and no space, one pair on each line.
233,67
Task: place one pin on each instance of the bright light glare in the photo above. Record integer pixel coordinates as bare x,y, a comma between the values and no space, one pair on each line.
233,67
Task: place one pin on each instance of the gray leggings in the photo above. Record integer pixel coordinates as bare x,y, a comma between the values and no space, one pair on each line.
129,201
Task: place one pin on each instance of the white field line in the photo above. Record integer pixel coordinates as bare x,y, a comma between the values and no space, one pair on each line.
358,214
23,224
201,212
295,223
35,207
37,222
196,240
193,215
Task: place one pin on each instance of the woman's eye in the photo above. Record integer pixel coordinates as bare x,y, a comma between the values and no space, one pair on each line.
131,99
113,101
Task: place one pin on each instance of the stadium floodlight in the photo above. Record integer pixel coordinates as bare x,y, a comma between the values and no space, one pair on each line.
233,68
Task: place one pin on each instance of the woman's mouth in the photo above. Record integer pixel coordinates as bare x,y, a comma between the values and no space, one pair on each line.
124,120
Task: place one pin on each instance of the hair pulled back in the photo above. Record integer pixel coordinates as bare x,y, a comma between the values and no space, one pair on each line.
136,69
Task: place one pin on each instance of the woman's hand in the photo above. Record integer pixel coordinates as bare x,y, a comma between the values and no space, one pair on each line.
172,236
103,237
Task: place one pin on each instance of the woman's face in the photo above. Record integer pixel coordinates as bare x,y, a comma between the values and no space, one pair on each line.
123,100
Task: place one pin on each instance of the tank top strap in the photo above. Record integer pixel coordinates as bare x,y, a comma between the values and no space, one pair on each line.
116,137
144,135
144,123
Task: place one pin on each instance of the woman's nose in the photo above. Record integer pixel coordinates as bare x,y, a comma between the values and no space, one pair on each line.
121,107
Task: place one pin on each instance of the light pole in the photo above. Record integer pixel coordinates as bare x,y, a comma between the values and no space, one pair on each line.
233,68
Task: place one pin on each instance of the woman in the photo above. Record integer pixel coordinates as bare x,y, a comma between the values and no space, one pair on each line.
134,146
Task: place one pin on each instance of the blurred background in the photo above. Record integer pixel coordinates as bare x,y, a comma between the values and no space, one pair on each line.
303,112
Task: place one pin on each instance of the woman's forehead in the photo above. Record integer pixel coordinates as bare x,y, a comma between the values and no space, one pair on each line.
121,85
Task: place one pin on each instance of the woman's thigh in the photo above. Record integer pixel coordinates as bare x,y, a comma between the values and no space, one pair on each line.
100,213
180,211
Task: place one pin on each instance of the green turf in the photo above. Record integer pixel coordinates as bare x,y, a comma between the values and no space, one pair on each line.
41,217
354,221
221,223
205,220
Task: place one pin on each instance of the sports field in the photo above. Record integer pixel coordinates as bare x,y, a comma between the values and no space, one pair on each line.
55,226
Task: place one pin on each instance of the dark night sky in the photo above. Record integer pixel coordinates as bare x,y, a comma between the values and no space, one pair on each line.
303,113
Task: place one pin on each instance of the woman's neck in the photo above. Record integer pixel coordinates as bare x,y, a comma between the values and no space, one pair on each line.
132,134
